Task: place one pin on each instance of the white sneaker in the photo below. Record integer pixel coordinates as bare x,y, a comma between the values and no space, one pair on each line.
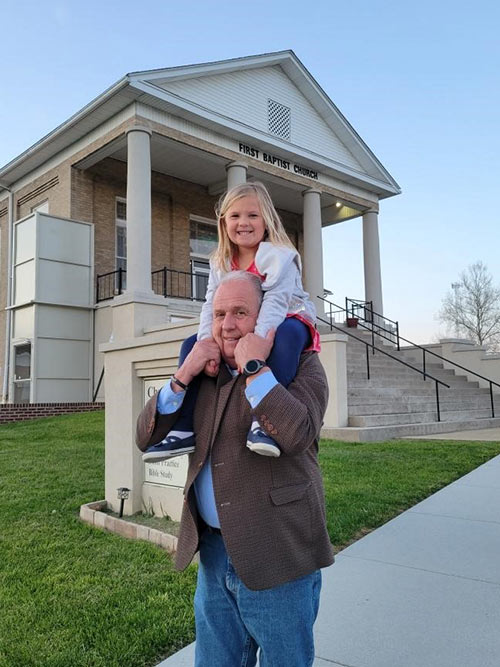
259,442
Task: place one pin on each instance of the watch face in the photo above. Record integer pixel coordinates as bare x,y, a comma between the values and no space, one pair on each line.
252,366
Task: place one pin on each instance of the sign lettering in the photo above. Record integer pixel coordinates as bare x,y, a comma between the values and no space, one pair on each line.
277,161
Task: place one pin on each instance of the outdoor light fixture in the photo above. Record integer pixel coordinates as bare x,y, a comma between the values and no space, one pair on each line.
338,204
123,494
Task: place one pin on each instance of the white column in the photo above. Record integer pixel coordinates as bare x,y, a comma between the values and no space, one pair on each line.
236,174
371,252
313,248
333,356
139,211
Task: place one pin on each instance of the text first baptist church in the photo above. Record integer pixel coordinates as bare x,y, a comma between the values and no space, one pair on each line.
117,203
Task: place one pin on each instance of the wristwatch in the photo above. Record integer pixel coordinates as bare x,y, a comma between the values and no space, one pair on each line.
253,366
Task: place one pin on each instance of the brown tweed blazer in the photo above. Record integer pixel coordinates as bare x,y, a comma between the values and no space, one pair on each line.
271,510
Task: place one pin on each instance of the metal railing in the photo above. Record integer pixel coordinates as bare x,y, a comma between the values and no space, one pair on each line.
110,284
180,284
374,322
165,282
378,349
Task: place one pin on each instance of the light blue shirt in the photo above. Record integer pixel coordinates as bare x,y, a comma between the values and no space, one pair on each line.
170,401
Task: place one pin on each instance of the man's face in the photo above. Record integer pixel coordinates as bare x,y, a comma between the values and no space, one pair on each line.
235,311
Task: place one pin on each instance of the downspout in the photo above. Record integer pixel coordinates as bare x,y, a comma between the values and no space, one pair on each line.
8,319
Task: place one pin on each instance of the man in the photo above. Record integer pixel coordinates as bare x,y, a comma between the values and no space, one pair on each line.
258,522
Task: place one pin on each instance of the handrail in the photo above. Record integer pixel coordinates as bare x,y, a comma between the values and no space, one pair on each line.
98,386
400,361
416,345
362,304
167,282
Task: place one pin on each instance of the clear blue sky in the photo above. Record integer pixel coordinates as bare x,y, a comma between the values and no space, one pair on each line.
420,82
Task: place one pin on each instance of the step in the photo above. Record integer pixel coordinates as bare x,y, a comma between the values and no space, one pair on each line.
417,405
417,417
403,373
405,383
368,392
380,433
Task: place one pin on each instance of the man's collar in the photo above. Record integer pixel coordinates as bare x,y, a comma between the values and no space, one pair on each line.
226,373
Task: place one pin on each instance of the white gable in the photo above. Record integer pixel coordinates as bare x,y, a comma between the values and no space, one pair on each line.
243,96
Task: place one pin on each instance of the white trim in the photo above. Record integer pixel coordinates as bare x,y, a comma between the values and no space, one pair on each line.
244,133
73,120
79,145
213,67
131,86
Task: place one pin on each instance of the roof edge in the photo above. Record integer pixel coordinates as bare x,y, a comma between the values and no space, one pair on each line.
66,125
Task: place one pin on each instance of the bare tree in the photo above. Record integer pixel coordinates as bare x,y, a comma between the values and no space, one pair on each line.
472,308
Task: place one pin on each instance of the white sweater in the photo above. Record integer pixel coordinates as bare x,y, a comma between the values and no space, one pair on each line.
282,287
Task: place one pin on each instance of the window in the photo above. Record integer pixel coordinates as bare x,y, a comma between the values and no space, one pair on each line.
121,242
202,242
22,373
202,237
200,269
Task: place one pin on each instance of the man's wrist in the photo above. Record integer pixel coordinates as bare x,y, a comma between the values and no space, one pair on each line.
184,378
251,378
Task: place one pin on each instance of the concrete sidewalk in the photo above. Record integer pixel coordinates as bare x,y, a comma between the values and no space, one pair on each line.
421,591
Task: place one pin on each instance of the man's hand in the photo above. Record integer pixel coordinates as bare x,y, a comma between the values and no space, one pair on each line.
252,346
205,353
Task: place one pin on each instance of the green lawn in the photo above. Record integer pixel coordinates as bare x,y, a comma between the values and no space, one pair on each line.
366,484
71,595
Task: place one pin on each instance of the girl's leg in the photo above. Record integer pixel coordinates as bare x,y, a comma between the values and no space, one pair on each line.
184,421
292,336
181,439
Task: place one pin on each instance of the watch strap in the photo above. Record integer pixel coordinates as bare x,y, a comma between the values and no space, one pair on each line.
179,383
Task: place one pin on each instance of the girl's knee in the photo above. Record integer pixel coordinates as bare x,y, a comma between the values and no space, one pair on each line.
292,331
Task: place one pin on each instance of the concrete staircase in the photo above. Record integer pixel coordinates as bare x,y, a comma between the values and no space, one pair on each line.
397,402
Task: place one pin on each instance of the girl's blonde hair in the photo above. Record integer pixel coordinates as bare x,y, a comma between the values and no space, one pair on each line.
275,232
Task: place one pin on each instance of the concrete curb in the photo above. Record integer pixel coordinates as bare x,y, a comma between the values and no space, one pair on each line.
92,513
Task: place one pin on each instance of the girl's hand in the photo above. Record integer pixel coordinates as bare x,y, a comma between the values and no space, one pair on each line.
204,352
211,368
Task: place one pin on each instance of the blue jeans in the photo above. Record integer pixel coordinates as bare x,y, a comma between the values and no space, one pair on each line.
292,337
232,621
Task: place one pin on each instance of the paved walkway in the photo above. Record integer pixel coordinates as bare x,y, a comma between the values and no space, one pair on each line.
423,590
484,434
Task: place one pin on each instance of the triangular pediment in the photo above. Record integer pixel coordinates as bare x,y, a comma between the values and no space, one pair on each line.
244,96
242,91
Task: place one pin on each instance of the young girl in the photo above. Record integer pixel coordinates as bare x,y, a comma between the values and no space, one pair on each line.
251,238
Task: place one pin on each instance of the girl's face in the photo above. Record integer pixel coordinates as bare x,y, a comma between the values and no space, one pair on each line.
244,223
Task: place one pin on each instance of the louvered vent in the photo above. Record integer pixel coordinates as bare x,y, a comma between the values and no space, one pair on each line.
279,119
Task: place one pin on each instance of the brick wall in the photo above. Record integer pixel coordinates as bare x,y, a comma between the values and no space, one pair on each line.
172,202
14,412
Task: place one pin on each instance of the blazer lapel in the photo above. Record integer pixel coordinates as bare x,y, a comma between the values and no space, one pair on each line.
225,384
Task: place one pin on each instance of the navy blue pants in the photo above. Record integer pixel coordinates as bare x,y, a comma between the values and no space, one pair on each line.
292,337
